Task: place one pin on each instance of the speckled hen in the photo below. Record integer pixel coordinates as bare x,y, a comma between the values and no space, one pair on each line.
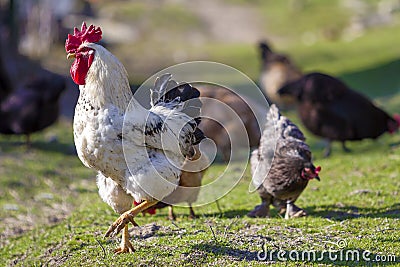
281,166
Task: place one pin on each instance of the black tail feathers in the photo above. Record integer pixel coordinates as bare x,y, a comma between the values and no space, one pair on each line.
167,90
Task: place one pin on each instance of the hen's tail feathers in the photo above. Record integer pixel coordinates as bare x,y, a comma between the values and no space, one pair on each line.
277,127
284,127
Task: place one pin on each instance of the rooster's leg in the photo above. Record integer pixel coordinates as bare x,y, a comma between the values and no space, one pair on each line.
127,217
126,245
171,214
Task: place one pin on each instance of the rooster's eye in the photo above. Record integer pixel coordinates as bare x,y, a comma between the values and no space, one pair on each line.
86,52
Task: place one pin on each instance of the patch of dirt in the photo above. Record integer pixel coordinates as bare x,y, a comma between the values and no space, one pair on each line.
54,260
145,231
228,22
19,224
46,257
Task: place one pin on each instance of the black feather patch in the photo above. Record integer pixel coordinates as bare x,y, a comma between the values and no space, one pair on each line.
198,136
169,91
153,128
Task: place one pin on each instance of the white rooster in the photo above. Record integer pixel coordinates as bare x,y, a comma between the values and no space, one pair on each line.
107,126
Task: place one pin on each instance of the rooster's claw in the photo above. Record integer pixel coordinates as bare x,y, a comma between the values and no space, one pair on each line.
119,224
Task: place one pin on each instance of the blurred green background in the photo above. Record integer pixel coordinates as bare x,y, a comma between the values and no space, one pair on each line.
356,40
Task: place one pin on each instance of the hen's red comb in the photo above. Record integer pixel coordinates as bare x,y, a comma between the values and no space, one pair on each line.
396,117
318,169
91,35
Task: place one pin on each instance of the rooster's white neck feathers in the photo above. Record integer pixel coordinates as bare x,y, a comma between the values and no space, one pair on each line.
108,72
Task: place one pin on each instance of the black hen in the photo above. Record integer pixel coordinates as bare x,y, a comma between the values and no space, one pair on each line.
330,109
33,106
282,166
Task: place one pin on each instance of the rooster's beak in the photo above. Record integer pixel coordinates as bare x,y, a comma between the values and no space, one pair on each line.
71,55
317,177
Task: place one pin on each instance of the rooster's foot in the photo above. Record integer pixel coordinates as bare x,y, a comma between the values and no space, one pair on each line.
126,246
119,224
123,220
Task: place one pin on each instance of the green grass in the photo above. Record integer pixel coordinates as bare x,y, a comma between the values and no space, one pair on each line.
356,201
51,214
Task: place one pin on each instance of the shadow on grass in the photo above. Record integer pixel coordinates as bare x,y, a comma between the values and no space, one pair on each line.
332,212
335,257
221,249
357,148
227,214
51,146
378,81
350,212
55,146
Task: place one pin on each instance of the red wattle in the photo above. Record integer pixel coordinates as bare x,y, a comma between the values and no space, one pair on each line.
80,68
77,70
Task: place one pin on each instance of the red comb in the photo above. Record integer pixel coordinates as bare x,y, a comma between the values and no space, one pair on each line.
318,169
90,35
396,117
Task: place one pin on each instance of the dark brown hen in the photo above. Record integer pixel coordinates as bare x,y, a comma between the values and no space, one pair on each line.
330,109
282,166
